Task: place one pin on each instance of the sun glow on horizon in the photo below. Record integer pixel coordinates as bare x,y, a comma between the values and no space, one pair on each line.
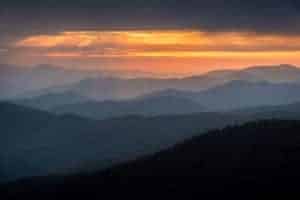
163,50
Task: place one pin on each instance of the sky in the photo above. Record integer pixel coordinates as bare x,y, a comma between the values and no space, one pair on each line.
169,37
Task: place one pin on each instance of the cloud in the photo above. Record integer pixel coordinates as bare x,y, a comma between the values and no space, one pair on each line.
156,43
233,32
21,19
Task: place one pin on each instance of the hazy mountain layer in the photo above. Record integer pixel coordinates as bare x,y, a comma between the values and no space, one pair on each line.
114,88
52,100
230,96
148,106
21,81
239,94
34,143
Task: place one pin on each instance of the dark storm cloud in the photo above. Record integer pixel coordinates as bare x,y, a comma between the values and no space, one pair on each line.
20,18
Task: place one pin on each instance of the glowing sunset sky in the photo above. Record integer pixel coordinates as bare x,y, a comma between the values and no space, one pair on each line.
154,39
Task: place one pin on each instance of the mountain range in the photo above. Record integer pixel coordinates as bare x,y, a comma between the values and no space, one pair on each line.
104,97
88,124
48,79
116,88
18,81
52,100
148,106
35,142
233,95
239,94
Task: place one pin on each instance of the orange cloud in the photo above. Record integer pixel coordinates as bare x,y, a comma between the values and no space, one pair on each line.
167,51
132,38
83,39
161,43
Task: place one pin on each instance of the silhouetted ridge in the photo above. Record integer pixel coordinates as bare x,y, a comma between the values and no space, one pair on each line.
261,157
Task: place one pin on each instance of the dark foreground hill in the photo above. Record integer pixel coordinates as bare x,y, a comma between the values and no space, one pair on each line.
256,158
36,143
